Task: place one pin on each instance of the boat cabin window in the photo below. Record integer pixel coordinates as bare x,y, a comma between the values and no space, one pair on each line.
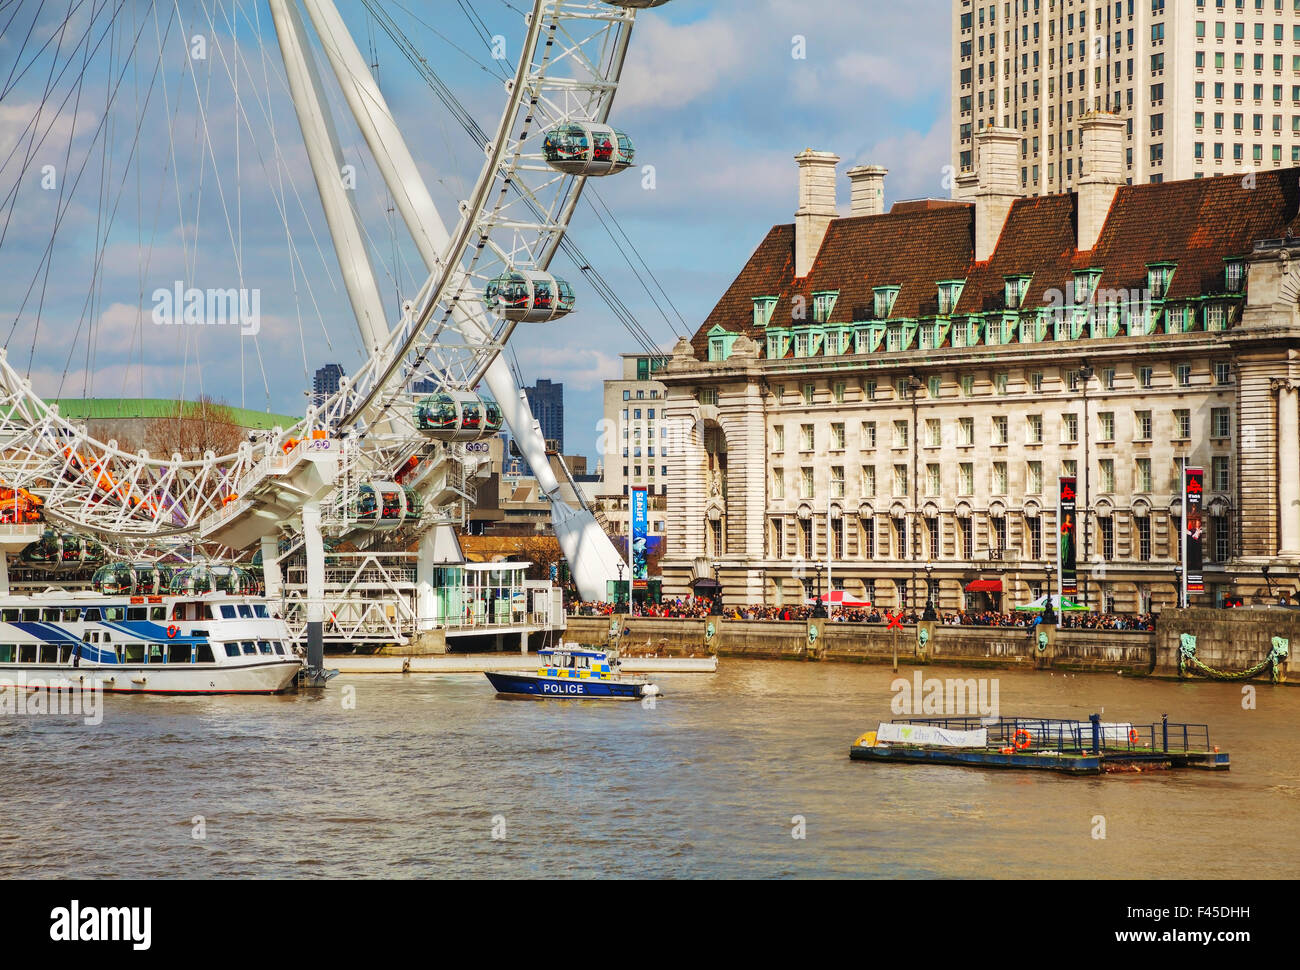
157,612
133,653
259,610
114,612
227,611
232,650
179,653
135,612
50,653
264,646
157,653
249,647
31,616
72,614
245,611
92,614
27,653
191,611
7,651
9,615
203,654
50,614
279,648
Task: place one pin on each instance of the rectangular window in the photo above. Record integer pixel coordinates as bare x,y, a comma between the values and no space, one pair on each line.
868,435
1036,383
1034,429
1106,468
1220,423
1000,429
1034,478
807,437
1144,474
966,478
809,392
1142,425
966,431
900,434
805,483
837,481
868,481
1107,421
999,478
1107,527
778,438
1069,428
900,480
1184,375
1144,376
967,538
1035,527
1219,473
933,432
932,479
1182,424
1143,526
837,436
778,484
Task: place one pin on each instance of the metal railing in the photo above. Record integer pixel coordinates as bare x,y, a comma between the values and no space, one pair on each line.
1069,736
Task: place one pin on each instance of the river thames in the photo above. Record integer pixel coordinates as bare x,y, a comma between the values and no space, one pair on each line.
434,776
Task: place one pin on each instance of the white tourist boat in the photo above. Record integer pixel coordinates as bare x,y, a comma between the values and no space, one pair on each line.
211,643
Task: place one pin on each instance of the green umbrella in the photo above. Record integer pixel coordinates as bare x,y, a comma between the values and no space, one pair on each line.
1058,602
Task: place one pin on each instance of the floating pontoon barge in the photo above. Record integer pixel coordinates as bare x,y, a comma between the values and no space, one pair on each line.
1089,747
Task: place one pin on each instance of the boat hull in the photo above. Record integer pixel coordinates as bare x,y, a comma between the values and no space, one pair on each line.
265,677
531,685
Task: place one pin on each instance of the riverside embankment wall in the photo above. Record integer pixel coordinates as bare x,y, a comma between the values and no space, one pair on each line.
1227,640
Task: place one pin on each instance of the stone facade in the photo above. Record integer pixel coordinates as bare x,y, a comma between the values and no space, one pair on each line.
939,456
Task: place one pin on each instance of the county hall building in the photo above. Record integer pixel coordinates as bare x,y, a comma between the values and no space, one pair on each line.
900,391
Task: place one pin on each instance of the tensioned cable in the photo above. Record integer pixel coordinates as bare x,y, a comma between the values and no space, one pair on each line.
476,132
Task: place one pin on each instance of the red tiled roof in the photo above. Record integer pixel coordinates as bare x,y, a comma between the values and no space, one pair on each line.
1195,223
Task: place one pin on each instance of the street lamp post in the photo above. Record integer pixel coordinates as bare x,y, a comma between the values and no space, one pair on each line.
1085,375
1178,587
819,608
929,592
619,601
914,386
715,608
1049,614
1267,581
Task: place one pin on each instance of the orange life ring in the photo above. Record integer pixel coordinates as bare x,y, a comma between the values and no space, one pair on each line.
1028,738
172,631
1133,736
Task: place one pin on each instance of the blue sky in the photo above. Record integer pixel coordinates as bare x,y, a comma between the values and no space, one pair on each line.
712,96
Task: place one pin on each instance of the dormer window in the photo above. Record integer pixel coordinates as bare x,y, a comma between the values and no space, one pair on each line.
885,297
1159,276
764,307
1017,287
823,305
1085,285
1234,273
949,294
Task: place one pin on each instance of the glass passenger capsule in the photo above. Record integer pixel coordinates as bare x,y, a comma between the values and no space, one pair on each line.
579,148
458,416
529,297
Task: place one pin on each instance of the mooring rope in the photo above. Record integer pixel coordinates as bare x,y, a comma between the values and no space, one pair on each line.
1187,657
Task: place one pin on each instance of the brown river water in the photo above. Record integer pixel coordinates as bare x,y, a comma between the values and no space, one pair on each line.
417,776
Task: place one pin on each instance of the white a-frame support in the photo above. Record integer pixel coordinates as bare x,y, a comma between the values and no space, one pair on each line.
592,557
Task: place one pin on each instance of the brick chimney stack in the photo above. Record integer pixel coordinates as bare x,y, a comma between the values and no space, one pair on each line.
998,170
868,190
1103,173
816,206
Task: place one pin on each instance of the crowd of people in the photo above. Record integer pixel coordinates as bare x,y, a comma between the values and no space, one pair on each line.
693,607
